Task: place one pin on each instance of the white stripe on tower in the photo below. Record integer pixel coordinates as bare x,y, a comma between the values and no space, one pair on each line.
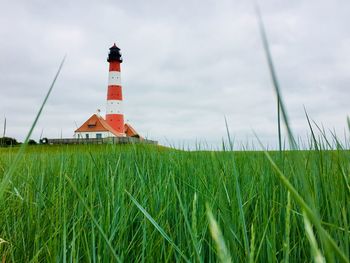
114,107
114,78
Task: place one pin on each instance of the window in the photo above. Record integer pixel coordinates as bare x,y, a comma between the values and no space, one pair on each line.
92,123
98,135
87,136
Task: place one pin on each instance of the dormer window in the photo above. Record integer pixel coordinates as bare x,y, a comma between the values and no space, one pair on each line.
92,123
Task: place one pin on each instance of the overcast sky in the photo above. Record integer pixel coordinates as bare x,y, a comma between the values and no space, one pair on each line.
186,66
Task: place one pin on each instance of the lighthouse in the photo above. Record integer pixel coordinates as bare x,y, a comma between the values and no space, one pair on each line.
114,108
96,127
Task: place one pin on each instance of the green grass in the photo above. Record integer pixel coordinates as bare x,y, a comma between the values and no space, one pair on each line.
143,203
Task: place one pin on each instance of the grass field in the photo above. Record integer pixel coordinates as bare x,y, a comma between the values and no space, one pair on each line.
128,203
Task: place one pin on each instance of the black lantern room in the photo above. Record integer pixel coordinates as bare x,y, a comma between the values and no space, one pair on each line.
114,54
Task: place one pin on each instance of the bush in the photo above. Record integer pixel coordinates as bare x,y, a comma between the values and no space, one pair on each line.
32,142
7,141
44,141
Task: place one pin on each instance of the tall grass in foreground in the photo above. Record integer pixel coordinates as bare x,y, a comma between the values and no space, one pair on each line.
145,203
309,212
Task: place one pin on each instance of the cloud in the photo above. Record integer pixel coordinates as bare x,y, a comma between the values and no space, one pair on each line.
186,66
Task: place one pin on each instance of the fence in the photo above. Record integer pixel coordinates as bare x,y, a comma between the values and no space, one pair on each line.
110,140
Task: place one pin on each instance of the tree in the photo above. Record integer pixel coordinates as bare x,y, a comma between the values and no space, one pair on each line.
8,141
32,142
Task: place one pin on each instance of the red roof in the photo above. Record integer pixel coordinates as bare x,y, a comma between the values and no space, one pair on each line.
130,131
97,123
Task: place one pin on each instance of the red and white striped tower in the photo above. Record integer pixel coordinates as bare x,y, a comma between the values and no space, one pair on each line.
114,111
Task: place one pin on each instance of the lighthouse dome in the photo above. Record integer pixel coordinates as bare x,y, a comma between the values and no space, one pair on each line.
114,54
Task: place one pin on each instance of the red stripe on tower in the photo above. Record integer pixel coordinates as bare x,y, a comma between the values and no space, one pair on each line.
114,111
114,93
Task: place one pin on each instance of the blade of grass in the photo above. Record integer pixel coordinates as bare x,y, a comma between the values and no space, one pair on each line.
323,133
347,185
286,243
337,142
194,218
279,124
189,229
5,181
157,226
315,252
274,79
223,253
2,241
238,195
264,233
71,183
252,245
4,132
311,129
